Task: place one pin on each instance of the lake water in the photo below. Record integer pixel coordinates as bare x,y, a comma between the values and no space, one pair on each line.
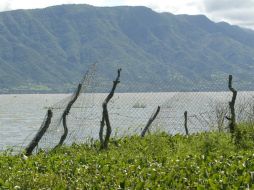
21,115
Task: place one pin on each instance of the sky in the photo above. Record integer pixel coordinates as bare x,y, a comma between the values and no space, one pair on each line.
238,12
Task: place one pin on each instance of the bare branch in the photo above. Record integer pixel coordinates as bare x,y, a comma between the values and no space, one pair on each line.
185,123
39,134
65,113
232,123
105,116
150,121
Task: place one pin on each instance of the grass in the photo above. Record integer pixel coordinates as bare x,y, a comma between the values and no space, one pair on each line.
159,161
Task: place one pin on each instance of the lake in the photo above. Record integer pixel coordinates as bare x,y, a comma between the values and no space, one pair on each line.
21,115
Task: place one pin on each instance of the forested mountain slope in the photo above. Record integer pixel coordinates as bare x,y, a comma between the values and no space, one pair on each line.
48,50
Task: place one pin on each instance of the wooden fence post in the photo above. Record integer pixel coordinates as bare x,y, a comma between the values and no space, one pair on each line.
150,121
105,116
232,123
185,122
65,113
40,133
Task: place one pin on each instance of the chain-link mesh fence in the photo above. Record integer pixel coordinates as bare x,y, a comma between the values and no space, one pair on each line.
206,103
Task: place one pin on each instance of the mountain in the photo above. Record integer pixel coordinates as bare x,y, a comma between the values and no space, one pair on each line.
48,50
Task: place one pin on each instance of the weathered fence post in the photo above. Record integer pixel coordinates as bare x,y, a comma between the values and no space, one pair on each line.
105,116
150,121
232,123
185,123
39,134
66,112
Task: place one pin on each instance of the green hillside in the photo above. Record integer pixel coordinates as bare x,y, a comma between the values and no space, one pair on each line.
48,50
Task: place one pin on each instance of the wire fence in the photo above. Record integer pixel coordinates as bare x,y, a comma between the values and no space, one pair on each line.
133,103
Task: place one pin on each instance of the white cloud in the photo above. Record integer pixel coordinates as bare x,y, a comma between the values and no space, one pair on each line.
240,12
173,6
177,7
30,4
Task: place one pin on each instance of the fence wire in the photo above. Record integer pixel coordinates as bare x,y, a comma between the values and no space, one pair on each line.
207,105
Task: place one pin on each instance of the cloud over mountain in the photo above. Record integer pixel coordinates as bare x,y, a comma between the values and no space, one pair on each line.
240,12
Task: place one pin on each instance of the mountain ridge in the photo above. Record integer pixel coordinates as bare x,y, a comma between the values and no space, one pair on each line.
48,50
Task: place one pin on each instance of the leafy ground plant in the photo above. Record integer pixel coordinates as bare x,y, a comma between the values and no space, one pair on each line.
158,161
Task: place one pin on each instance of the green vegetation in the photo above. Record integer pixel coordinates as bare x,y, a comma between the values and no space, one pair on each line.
52,47
209,160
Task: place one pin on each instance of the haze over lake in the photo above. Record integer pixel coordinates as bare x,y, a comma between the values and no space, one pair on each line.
22,115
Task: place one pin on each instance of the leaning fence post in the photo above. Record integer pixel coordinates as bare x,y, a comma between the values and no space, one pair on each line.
105,116
232,123
39,134
185,123
66,112
150,121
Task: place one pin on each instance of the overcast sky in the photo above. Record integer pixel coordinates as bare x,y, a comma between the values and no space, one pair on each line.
239,12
